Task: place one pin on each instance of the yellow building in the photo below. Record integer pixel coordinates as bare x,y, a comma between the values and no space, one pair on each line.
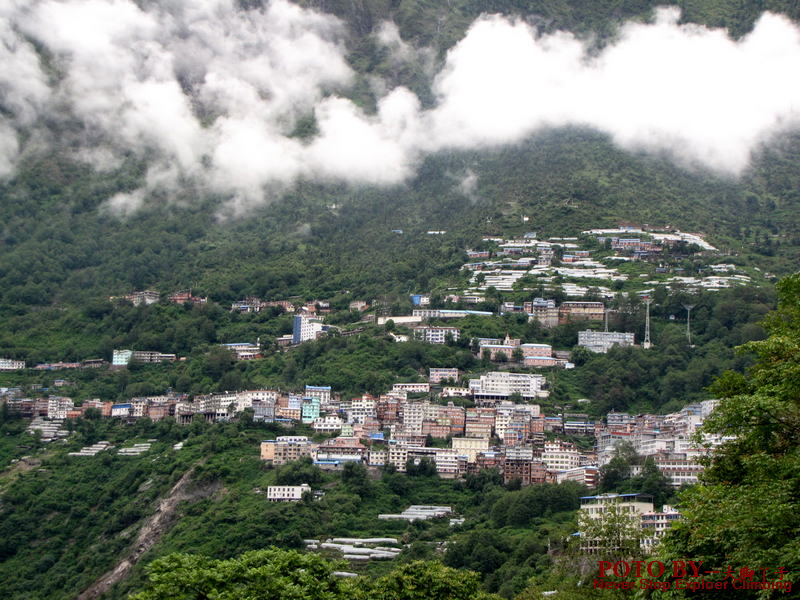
471,446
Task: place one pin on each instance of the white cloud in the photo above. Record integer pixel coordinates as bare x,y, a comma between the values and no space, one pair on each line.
124,204
661,86
381,149
210,93
9,148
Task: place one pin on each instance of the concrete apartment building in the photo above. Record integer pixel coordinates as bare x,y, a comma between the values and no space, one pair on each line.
306,328
523,463
57,407
340,450
361,409
544,311
146,297
574,310
244,350
435,335
327,424
656,524
397,454
497,386
6,364
441,374
625,509
680,469
122,358
561,456
287,493
412,388
286,449
319,391
602,341
537,355
470,446
589,476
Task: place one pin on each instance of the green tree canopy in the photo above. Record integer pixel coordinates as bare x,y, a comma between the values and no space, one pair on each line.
747,511
289,575
258,574
424,580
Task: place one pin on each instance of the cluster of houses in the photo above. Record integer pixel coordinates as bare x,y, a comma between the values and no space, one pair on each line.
528,256
7,364
505,428
500,434
636,521
668,439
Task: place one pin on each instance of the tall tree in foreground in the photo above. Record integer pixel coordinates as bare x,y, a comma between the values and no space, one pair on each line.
288,575
745,517
258,574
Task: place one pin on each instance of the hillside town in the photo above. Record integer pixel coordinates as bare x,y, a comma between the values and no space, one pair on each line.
444,420
515,437
461,423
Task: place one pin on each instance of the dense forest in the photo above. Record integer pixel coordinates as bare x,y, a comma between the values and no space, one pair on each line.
66,521
662,379
59,249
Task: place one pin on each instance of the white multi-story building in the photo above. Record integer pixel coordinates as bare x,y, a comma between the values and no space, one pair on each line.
680,469
121,410
377,457
447,462
287,493
435,335
528,410
518,452
502,418
319,391
624,510
361,409
121,358
327,424
412,388
244,350
561,456
151,357
656,524
398,455
602,341
587,475
426,313
500,385
305,328
144,297
413,413
250,397
222,406
6,364
139,407
57,407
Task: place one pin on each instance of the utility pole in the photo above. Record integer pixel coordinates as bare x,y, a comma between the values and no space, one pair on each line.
646,344
688,308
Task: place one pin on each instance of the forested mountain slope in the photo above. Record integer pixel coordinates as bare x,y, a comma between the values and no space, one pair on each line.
59,247
68,236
